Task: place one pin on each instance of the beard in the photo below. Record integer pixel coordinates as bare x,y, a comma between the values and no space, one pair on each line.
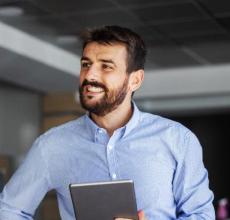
106,104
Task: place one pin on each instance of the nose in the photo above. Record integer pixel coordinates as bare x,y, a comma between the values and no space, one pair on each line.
92,73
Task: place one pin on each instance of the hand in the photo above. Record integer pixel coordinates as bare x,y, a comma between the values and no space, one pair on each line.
141,216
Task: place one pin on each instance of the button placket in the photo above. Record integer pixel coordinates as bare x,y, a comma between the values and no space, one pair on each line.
101,137
114,176
110,147
111,157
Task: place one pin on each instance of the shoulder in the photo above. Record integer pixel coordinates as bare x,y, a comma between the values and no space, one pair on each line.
160,122
176,136
74,126
61,141
59,135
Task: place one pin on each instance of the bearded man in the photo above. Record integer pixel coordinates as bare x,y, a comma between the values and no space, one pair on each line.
114,141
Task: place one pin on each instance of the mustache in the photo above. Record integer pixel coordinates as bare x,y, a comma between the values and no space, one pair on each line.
94,83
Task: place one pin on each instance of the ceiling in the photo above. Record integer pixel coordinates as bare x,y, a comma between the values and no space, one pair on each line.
191,36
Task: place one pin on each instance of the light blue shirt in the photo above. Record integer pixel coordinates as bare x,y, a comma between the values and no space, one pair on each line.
162,157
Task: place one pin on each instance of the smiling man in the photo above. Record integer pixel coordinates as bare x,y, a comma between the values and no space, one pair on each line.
114,141
106,87
98,73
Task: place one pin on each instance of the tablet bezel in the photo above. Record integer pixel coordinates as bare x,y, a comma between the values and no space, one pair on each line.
105,200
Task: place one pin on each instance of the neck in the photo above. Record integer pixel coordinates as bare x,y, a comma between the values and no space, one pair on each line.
115,119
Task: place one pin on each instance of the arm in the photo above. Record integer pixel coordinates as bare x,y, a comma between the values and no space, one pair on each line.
27,187
10,213
191,184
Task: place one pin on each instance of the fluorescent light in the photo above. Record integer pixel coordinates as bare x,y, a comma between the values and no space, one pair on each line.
11,11
67,39
25,44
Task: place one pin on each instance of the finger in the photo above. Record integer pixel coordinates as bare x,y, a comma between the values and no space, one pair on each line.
122,219
141,214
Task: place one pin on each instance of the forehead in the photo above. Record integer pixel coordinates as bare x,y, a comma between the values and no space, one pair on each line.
114,51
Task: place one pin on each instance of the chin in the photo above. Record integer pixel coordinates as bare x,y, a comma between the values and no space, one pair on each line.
90,101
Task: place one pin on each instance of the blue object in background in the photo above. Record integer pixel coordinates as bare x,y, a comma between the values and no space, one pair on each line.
1,182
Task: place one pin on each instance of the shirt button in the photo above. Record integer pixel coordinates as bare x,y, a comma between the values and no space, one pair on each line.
114,176
100,131
110,147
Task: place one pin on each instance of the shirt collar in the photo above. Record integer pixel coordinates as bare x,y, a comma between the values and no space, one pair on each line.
133,121
93,127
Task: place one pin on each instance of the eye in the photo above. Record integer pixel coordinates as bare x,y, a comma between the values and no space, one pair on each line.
107,67
85,64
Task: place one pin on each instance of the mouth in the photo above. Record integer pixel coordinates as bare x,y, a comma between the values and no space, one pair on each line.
94,89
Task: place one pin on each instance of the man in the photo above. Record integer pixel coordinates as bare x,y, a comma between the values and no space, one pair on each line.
114,141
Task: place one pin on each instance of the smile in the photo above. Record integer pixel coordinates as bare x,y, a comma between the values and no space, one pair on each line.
94,89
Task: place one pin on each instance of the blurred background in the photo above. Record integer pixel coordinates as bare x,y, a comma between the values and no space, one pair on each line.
187,73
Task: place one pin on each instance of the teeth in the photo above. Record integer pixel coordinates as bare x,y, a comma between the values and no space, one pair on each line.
94,89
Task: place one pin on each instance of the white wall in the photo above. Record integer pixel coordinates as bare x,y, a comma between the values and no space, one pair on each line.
184,90
19,121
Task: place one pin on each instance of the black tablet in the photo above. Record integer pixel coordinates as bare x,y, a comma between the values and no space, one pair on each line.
104,200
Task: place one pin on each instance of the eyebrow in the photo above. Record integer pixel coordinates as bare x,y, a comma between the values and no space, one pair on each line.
102,60
85,58
108,61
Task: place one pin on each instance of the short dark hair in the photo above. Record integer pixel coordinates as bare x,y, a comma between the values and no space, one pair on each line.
137,49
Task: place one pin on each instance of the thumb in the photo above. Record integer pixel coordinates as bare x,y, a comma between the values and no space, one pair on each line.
141,214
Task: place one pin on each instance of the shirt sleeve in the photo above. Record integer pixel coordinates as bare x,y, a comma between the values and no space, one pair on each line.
191,184
27,187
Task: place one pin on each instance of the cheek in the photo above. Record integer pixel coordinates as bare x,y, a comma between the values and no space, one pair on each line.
110,83
115,82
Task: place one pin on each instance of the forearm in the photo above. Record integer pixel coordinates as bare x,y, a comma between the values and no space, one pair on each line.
197,217
191,185
10,213
26,188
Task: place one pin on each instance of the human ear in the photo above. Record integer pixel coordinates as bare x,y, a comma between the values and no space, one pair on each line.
136,79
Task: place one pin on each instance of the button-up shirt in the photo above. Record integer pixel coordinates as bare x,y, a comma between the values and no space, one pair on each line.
162,157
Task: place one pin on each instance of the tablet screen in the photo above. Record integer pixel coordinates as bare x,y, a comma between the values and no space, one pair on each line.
104,200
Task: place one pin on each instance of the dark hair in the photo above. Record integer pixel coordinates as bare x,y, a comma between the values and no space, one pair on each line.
107,35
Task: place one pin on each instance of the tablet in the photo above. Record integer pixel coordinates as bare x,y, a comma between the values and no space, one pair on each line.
104,200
